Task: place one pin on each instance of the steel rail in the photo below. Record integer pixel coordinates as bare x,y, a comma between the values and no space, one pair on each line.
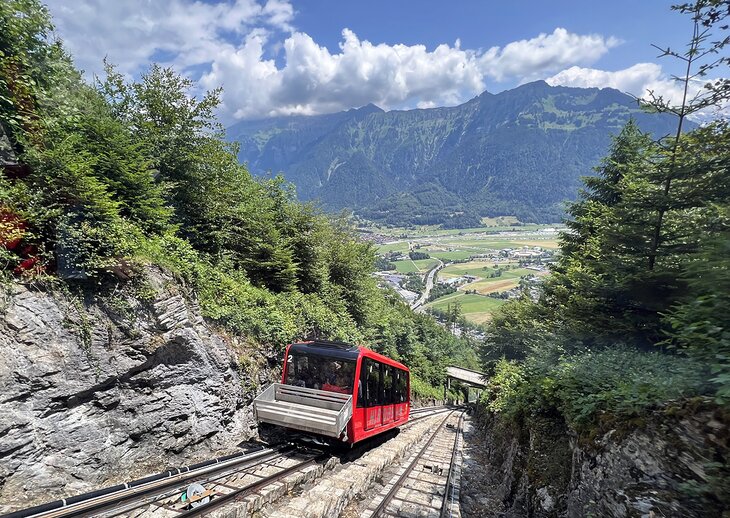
448,495
106,498
251,488
399,483
215,479
160,486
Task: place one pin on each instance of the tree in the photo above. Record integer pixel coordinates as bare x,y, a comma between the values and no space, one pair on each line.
85,176
599,284
453,314
184,141
699,59
628,150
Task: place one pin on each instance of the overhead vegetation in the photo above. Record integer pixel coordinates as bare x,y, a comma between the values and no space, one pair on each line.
635,314
119,174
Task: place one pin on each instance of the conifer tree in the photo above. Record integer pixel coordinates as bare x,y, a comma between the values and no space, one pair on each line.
700,57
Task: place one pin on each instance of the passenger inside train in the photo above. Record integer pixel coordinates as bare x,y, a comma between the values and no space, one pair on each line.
322,373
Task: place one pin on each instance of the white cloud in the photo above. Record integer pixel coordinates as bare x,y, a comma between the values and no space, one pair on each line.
134,33
314,80
531,59
231,44
634,80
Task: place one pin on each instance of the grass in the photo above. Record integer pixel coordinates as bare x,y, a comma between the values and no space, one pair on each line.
492,285
551,243
478,308
475,308
482,269
401,246
418,266
498,244
425,265
434,230
406,266
470,268
456,255
499,221
461,244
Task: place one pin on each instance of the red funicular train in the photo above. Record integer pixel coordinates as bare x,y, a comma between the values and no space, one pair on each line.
336,391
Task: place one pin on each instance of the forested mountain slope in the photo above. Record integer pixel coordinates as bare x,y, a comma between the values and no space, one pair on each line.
521,152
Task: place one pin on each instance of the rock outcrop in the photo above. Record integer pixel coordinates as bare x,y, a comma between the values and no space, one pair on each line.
7,155
673,463
96,390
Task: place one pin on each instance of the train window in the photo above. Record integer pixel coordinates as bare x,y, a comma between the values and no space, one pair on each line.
397,394
320,372
401,386
370,387
387,398
374,383
362,384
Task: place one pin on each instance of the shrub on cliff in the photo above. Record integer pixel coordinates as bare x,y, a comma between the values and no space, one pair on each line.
620,382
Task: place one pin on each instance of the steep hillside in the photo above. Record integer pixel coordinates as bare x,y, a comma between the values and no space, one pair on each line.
101,387
521,152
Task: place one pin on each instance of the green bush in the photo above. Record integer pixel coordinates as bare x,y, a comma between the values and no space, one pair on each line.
421,389
501,394
620,381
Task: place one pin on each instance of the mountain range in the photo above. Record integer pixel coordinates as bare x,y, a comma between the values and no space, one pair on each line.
520,152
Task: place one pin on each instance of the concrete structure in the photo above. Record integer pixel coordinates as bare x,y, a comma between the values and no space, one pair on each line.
471,379
467,376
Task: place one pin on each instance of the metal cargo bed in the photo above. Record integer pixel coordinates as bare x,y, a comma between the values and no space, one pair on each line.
310,410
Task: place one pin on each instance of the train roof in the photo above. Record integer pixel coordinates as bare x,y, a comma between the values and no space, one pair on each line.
381,358
341,350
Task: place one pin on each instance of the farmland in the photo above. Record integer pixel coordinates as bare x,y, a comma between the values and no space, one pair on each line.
488,257
475,308
417,266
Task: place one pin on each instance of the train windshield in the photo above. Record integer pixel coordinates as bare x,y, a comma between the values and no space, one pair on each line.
320,372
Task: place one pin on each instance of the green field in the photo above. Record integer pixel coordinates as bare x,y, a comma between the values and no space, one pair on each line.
434,230
418,266
475,308
457,245
472,268
393,247
456,255
405,266
477,268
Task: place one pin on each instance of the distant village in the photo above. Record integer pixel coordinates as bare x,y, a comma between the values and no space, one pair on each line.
531,258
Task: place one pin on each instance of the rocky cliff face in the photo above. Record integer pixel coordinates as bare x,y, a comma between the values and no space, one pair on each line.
96,390
671,464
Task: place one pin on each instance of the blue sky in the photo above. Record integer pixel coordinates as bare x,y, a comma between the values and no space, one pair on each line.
276,57
481,24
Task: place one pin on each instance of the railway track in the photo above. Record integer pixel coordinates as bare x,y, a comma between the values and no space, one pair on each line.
201,488
427,483
221,480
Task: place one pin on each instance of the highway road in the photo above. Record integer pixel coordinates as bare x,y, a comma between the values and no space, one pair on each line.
430,277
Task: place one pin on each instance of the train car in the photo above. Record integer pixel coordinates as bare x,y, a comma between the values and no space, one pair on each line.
336,392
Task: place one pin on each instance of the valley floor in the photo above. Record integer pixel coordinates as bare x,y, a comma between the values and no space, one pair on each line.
485,266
